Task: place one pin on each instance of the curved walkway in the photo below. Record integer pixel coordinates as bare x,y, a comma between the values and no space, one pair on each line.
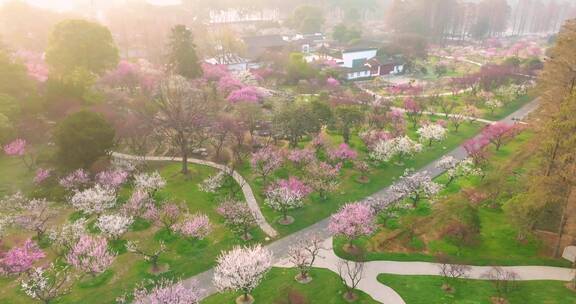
382,293
379,291
248,194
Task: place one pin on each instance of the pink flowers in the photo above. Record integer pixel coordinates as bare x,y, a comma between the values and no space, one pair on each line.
342,153
90,255
76,179
475,148
301,156
410,105
497,132
214,72
228,84
245,94
353,221
167,292
265,161
41,175
16,147
332,82
20,259
196,226
112,178
287,194
372,137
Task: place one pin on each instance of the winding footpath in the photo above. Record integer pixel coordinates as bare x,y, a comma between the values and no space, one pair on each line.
329,260
248,194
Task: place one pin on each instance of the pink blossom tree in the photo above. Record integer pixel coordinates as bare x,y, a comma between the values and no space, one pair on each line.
18,148
34,215
415,186
301,157
265,161
245,94
42,175
214,72
476,148
285,195
353,221
227,84
195,226
342,153
303,254
332,83
76,180
48,283
323,177
414,110
167,292
238,216
112,179
166,216
242,269
496,133
90,255
20,259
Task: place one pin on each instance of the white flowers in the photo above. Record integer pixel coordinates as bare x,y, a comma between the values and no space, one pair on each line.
212,183
455,169
94,200
114,225
385,150
431,132
150,182
242,268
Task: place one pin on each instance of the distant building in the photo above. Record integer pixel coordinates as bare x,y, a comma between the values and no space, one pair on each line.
358,63
233,62
256,46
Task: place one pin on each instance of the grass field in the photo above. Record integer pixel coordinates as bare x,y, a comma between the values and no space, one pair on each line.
427,290
325,288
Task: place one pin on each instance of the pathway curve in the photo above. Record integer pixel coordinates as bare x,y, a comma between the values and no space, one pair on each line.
246,189
280,247
382,293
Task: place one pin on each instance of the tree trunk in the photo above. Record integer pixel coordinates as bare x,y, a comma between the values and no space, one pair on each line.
561,229
184,162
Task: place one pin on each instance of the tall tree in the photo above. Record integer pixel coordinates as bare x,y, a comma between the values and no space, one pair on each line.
182,58
182,117
557,130
80,45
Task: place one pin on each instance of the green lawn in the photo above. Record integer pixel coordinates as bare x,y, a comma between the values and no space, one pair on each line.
325,288
497,242
14,176
350,190
427,290
185,257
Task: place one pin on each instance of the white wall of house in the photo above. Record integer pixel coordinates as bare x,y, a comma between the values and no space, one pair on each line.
359,74
349,57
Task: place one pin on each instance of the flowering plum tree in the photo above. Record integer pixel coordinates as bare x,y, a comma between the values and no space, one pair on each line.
112,178
352,221
166,216
456,169
372,137
301,157
17,148
213,72
303,254
238,216
20,259
150,255
493,104
400,146
431,132
167,292
342,153
150,182
245,94
94,200
114,225
323,177
332,83
46,284
415,186
75,180
242,269
476,148
212,183
66,236
137,204
90,255
34,214
227,84
42,174
414,110
195,226
496,133
287,194
265,161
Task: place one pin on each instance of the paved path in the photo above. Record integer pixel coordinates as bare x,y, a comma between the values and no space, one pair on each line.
280,247
384,294
248,194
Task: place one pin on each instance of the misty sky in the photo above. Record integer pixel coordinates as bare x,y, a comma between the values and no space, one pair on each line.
64,5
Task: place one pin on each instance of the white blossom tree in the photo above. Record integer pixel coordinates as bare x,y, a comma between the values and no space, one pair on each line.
64,237
303,254
47,284
242,269
114,225
457,169
415,186
94,200
401,147
431,132
167,292
213,182
150,182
